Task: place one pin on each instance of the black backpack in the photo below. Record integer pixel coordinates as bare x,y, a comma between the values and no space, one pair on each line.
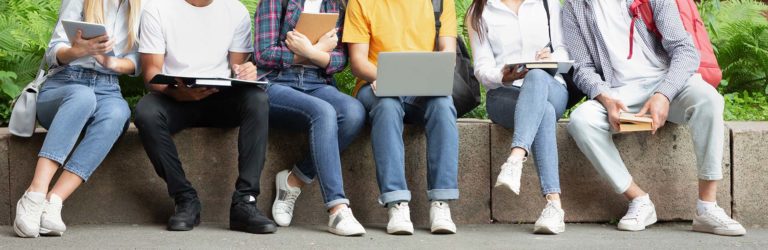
575,95
466,87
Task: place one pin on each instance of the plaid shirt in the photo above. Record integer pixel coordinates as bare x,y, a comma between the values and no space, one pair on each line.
593,70
269,40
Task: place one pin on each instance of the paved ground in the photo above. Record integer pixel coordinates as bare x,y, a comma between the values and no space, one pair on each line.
208,236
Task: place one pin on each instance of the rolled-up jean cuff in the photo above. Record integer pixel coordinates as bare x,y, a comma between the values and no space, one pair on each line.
516,144
49,156
545,192
297,172
711,177
73,168
399,195
336,202
623,188
443,194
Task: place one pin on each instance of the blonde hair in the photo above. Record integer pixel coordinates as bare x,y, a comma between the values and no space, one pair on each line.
93,12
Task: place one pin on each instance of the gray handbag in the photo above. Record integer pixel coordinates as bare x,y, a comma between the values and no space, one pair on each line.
24,115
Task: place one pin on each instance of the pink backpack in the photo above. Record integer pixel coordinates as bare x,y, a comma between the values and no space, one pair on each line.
708,68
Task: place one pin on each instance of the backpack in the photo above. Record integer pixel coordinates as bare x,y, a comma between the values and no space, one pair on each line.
575,95
708,68
466,87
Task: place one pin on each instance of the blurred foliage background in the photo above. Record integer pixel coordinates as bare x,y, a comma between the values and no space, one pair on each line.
738,29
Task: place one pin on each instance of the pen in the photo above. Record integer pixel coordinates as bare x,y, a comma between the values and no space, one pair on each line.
248,57
549,45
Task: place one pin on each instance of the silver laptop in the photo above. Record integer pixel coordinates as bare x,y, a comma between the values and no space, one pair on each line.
415,73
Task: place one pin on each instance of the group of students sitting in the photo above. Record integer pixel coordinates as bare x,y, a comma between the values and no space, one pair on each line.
214,38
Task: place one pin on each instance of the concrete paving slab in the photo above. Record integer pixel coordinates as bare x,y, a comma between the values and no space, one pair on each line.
750,165
496,236
664,165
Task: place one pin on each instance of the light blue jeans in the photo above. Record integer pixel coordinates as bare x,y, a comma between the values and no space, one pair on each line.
532,111
77,100
301,99
438,115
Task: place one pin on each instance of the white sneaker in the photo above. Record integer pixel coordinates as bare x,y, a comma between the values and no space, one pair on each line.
641,213
716,221
344,223
282,208
400,219
29,210
551,221
51,223
510,174
440,218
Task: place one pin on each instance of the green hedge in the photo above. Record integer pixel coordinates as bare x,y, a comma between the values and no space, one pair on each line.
739,34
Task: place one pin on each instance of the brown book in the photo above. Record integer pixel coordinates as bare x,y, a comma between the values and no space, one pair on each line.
315,25
631,123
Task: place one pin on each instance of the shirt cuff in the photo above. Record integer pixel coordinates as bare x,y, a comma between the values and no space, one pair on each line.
51,57
134,58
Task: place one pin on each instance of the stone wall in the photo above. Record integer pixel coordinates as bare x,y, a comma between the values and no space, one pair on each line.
125,189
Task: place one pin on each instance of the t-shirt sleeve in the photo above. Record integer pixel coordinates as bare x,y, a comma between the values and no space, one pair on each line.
152,39
448,19
242,42
356,25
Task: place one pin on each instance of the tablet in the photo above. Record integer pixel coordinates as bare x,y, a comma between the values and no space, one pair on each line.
90,30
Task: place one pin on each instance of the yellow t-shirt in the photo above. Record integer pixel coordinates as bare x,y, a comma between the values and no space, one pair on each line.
396,25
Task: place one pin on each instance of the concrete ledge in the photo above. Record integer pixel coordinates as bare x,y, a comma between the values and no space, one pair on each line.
125,189
5,200
664,165
750,172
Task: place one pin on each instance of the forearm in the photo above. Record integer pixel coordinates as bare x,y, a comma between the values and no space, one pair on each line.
124,66
319,58
446,44
149,73
67,55
364,70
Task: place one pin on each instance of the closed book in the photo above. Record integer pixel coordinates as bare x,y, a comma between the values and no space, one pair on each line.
631,123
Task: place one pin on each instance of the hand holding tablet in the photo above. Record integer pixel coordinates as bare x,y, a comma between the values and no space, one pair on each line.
89,37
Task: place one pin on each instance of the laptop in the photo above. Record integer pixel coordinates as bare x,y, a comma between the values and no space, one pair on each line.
415,74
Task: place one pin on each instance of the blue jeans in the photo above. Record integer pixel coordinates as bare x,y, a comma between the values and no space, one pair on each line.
438,115
532,111
78,99
301,99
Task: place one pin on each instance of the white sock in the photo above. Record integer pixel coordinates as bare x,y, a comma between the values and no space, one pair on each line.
55,199
703,206
644,198
36,196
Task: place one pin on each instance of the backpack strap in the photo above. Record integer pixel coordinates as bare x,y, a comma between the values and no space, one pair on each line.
549,29
437,5
641,9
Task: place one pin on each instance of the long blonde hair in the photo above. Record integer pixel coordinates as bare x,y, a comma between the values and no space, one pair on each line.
93,12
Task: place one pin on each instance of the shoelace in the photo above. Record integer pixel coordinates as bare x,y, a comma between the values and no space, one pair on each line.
442,211
511,163
634,210
549,211
32,206
400,213
720,216
289,202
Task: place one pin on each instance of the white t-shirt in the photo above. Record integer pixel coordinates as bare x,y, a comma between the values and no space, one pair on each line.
196,41
312,6
613,21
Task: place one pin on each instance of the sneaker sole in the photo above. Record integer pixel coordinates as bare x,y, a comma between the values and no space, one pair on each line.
547,230
182,228
48,232
650,221
340,233
261,229
706,229
443,231
22,235
400,231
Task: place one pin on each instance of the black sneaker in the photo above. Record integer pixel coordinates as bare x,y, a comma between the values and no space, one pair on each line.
187,215
244,216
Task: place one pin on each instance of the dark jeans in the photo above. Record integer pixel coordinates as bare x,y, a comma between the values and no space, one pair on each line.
159,116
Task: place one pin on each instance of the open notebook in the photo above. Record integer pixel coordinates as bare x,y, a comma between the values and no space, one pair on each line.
204,81
552,67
